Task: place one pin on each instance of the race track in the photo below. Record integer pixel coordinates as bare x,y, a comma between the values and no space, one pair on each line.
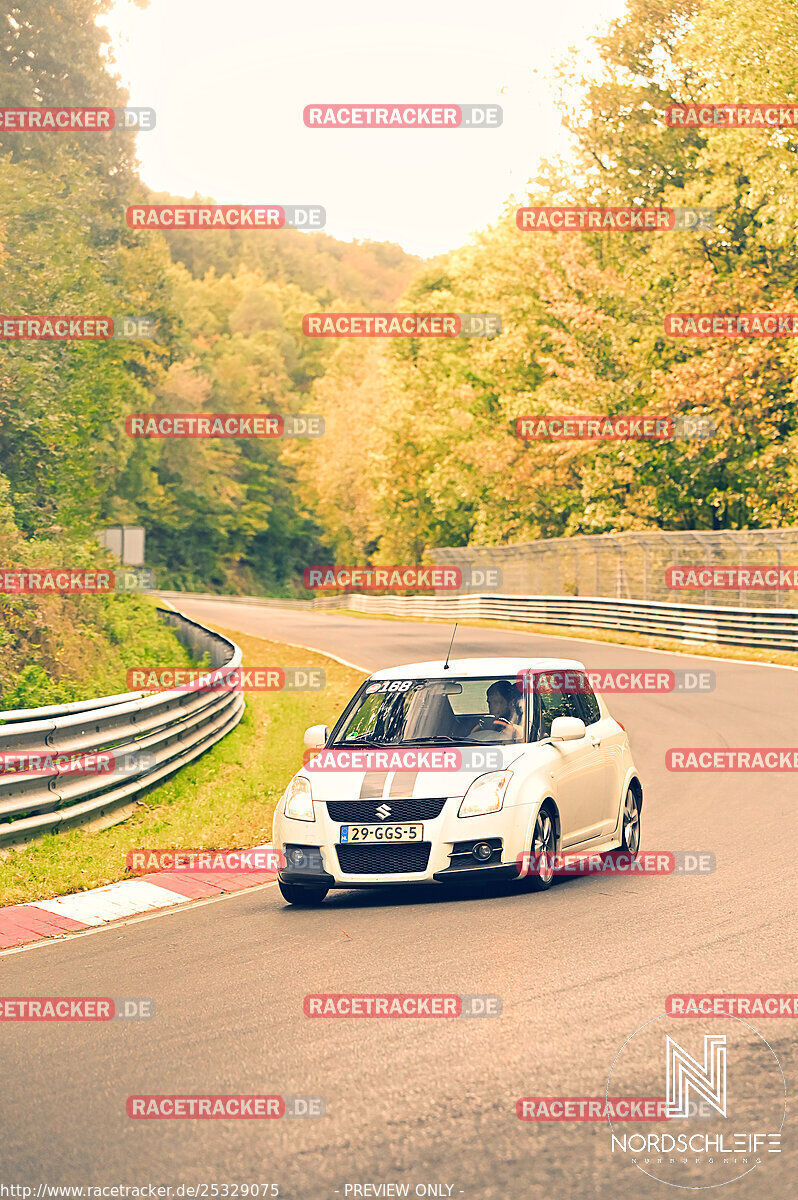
578,968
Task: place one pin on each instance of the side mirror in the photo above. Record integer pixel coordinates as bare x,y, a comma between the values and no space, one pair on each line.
567,729
316,737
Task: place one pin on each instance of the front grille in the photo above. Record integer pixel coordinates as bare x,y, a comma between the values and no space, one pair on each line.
384,859
358,811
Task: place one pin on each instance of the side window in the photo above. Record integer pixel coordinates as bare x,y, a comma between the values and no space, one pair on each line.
554,703
590,705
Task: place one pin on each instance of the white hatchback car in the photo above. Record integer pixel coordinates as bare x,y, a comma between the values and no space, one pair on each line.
475,769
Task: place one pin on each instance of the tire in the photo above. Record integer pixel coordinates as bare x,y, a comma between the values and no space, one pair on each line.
302,895
544,841
630,827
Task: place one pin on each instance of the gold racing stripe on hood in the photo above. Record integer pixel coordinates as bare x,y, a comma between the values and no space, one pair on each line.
403,783
372,786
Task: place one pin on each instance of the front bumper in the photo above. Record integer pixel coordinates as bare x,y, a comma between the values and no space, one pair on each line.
448,837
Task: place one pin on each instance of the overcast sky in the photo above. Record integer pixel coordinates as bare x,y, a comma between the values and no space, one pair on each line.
229,81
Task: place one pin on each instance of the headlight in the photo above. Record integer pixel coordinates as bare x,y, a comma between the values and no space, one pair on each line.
486,794
297,800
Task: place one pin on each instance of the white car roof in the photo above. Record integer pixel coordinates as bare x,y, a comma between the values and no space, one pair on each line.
476,667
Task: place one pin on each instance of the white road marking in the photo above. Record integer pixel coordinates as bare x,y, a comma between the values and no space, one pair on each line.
115,900
134,920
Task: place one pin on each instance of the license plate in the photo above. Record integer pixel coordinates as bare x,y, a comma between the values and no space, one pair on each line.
382,833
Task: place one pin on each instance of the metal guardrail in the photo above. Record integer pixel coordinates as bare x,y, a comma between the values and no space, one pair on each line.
768,628
153,735
771,629
265,601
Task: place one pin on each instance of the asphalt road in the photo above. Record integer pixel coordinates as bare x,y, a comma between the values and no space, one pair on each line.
432,1102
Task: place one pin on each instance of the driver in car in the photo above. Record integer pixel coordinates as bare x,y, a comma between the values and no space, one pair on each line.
501,696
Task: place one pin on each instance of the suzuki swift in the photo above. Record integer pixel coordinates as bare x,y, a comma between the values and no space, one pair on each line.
473,769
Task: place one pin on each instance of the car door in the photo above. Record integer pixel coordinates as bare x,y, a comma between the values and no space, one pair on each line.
577,769
608,740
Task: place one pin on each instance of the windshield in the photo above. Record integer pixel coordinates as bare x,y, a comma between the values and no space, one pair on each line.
402,712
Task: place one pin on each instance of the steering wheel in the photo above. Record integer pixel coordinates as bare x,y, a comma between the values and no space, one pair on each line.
488,719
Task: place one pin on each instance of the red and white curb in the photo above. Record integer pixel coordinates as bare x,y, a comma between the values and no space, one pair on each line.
21,923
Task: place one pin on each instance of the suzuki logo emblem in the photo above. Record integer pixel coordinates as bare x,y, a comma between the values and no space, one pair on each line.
383,811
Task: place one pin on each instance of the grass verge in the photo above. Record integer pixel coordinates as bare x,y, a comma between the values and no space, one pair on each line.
55,649
225,799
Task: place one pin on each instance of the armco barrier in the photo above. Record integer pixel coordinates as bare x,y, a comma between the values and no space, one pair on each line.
264,601
771,629
168,729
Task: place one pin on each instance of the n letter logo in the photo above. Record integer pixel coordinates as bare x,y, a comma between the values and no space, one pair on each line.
707,1082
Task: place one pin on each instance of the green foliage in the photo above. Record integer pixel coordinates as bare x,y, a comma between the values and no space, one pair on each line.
583,319
60,647
228,311
420,448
